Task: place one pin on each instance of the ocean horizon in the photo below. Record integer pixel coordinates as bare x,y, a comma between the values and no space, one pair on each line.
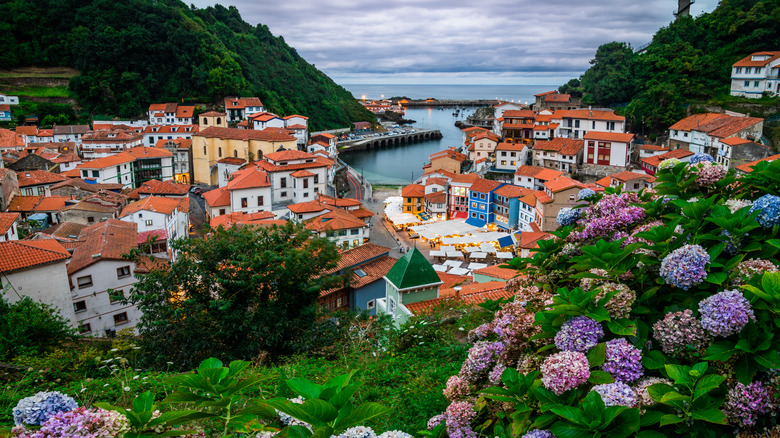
509,93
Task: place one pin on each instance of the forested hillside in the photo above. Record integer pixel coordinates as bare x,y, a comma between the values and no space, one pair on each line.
689,60
134,52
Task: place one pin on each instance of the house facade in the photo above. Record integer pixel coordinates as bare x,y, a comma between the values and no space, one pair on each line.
240,108
608,148
562,154
106,142
756,74
412,279
170,114
481,199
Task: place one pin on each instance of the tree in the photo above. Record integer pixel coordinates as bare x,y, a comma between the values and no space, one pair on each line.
29,327
235,294
610,79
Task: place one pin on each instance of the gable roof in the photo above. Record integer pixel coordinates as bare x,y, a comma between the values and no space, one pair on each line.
287,155
359,255
748,167
334,220
37,177
541,173
609,136
497,271
587,114
473,293
249,177
510,147
241,218
22,254
157,187
267,134
241,102
564,146
218,197
156,204
483,185
412,270
748,60
511,191
104,241
562,183
675,153
6,220
413,191
628,176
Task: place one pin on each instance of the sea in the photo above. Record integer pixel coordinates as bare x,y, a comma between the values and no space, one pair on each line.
400,165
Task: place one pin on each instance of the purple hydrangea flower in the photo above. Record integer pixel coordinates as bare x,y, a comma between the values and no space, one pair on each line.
643,395
769,207
35,410
458,418
578,334
568,216
616,394
708,173
685,267
745,403
725,313
481,358
564,371
456,388
750,268
623,360
357,432
585,194
700,157
681,334
495,374
537,433
610,214
435,421
79,423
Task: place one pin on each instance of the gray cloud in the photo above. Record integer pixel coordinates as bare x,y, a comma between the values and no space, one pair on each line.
466,41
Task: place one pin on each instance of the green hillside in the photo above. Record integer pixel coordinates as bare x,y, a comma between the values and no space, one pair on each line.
135,52
688,61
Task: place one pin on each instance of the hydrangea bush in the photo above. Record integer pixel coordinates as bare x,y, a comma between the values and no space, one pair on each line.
644,316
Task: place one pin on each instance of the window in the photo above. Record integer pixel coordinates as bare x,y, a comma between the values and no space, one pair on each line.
306,195
90,220
235,153
85,281
283,182
611,126
221,211
370,305
482,217
85,173
755,83
115,296
354,231
571,197
85,328
80,306
576,123
123,272
593,125
28,192
747,83
220,151
739,70
204,150
259,201
305,183
316,179
243,202
120,318
283,194
148,222
481,196
408,208
391,305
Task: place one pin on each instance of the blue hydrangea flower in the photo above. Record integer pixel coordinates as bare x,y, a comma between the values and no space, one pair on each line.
769,207
698,158
358,432
35,410
568,216
725,313
395,434
579,334
685,267
537,433
616,394
585,194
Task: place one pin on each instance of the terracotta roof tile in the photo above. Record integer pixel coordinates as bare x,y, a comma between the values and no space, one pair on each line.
448,153
171,129
66,230
748,60
529,239
510,147
104,241
267,134
37,177
605,182
248,178
541,173
301,174
511,191
562,183
308,207
152,203
676,153
212,114
240,218
589,115
436,197
157,187
564,146
555,97
22,254
413,191
628,176
483,185
219,197
609,136
358,255
288,155
653,147
519,114
23,203
242,102
6,220
10,139
748,167
474,293
694,121
332,221
110,161
51,203
452,280
497,271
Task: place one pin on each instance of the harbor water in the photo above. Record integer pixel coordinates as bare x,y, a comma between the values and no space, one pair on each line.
400,165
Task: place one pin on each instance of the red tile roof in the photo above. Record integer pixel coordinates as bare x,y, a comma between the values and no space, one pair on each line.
483,185
288,155
562,183
541,173
436,197
474,293
181,143
511,191
212,114
156,204
748,167
111,134
653,147
519,114
676,153
23,254
748,60
734,141
291,116
168,129
448,153
6,220
357,255
104,241
555,97
301,174
529,239
308,207
160,235
146,152
545,93
233,161
467,178
628,176
29,178
10,139
219,197
264,116
510,147
605,182
110,161
452,280
609,136
488,135
334,220
157,187
267,134
51,203
23,203
241,218
497,271
241,102
249,177
413,191
564,146
588,115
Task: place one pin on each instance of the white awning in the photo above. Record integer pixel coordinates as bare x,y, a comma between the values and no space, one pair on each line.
475,266
459,271
505,255
455,254
440,268
447,248
478,255
438,254
487,247
453,263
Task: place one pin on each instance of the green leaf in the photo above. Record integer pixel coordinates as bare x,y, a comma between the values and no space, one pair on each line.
361,414
598,377
144,402
711,415
717,277
210,363
653,360
237,366
570,413
649,434
624,425
658,390
597,355
650,417
722,350
745,368
565,429
306,414
303,387
183,397
295,432
670,419
622,327
707,384
678,373
175,418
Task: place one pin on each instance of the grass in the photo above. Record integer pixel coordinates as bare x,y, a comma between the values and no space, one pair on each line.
36,91
38,72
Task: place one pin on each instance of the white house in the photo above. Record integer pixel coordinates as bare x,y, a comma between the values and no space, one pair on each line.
534,177
250,190
498,109
299,128
159,213
483,145
5,106
114,169
560,153
37,269
106,142
510,156
240,108
8,226
264,120
576,123
341,227
756,74
170,114
608,148
100,278
155,133
280,167
699,133
226,167
68,133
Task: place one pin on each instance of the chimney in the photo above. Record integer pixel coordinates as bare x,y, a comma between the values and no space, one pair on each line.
590,109
457,293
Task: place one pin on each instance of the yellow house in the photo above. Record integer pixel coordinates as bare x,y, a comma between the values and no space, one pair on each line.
414,198
214,143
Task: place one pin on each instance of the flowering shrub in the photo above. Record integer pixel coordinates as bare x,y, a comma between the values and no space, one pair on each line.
78,423
635,295
585,194
668,163
567,216
35,410
700,158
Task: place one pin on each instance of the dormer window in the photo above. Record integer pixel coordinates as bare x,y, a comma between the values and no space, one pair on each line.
759,57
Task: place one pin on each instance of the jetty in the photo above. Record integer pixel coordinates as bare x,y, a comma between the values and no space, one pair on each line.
389,140
422,103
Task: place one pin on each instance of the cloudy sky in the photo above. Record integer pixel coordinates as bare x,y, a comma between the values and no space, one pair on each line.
519,42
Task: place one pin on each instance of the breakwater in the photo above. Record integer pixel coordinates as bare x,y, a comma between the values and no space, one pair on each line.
389,140
423,103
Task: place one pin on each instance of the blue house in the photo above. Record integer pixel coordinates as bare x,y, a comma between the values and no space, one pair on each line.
5,113
514,207
481,198
364,268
